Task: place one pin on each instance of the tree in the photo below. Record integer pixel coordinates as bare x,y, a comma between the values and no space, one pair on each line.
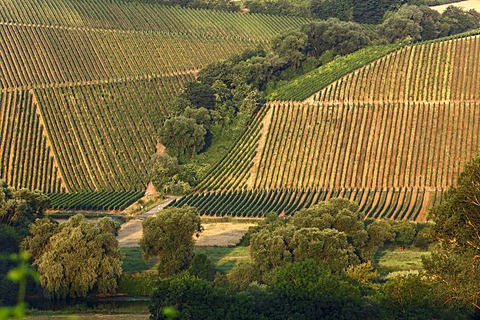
164,168
338,37
168,236
324,9
19,208
200,95
291,47
454,267
76,257
183,137
402,25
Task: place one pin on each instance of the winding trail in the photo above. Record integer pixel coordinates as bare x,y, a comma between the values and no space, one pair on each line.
131,232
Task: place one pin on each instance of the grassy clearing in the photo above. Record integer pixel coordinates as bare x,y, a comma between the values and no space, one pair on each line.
394,260
224,258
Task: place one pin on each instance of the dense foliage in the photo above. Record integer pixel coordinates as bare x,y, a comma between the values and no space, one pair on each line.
168,236
454,267
57,249
18,210
316,264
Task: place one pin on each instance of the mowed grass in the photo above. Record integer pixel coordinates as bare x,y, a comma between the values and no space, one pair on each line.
394,260
224,258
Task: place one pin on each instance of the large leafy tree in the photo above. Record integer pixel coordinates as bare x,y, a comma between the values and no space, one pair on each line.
455,266
19,208
183,137
76,257
169,237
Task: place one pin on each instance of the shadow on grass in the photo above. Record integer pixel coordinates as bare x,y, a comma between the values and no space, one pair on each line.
224,258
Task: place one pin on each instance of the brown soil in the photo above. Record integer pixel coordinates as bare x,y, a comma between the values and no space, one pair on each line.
220,234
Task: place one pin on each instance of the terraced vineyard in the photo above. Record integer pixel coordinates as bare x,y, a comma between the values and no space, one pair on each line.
392,135
85,85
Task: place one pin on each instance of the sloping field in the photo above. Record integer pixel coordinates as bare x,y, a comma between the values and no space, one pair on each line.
85,85
392,135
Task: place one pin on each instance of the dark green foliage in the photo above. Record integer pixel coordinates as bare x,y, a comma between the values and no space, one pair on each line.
183,137
19,208
370,11
199,95
410,297
101,200
202,267
336,36
307,290
457,20
454,267
168,236
194,298
324,9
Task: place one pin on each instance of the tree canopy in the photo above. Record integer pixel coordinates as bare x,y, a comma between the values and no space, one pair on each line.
168,236
77,257
455,267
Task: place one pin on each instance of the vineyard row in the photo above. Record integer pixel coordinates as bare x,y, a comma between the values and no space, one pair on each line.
398,204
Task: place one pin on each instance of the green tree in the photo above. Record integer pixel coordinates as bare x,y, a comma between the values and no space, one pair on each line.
163,169
19,208
169,236
200,95
454,267
324,9
76,257
183,137
291,47
308,290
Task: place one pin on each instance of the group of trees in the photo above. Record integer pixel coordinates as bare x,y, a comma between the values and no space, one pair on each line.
56,249
226,94
318,264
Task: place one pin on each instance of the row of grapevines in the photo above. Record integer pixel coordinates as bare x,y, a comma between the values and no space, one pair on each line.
26,159
434,71
106,200
306,85
381,146
400,204
36,56
122,15
102,140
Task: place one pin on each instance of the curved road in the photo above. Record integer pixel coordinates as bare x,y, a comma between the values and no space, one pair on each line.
131,231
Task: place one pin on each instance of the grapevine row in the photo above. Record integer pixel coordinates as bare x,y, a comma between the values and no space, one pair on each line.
26,157
37,56
436,71
137,16
101,138
106,200
399,204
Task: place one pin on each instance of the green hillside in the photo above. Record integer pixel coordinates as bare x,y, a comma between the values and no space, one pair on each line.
392,135
86,85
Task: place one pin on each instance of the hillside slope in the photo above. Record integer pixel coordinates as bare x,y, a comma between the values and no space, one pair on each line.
392,135
85,85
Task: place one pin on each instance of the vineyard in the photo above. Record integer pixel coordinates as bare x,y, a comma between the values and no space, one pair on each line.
86,85
392,135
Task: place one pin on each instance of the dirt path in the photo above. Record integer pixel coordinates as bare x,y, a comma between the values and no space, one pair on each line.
222,234
131,232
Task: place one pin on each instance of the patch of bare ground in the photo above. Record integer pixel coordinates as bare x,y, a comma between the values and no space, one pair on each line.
466,5
222,234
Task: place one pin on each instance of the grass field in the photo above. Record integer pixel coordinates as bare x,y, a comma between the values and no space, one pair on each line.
224,258
397,260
